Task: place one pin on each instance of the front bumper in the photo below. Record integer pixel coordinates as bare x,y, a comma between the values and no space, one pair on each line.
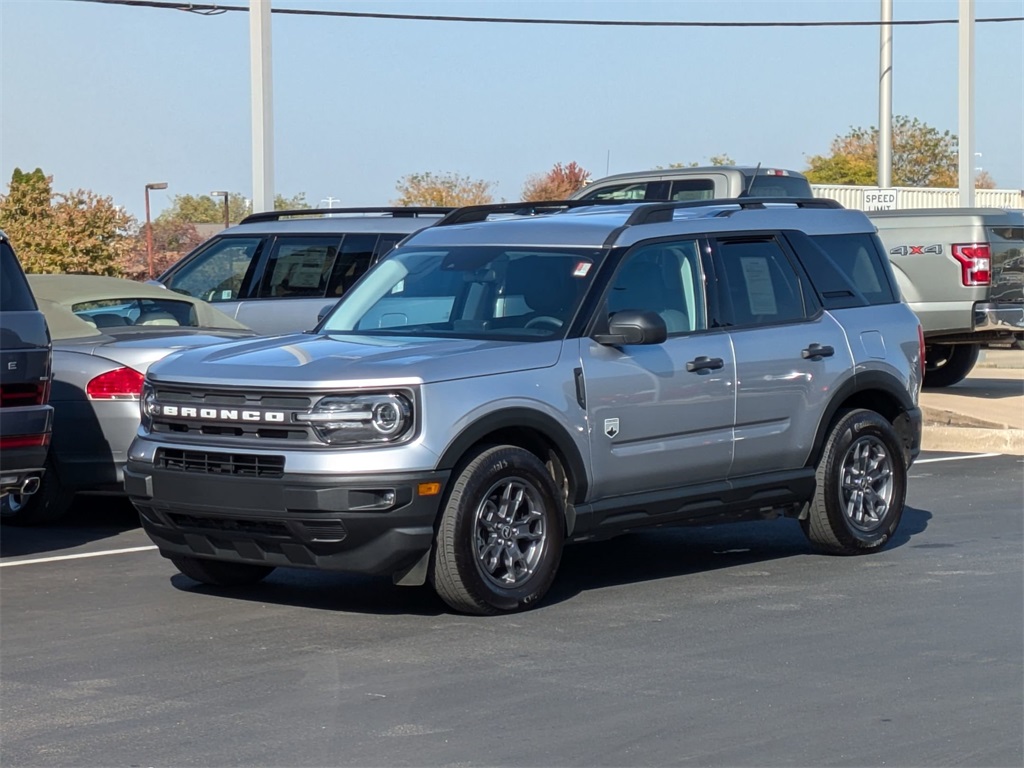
374,524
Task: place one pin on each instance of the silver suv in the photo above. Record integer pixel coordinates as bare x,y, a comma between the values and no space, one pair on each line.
503,384
276,271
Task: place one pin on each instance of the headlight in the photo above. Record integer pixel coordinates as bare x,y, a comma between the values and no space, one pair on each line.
147,406
354,419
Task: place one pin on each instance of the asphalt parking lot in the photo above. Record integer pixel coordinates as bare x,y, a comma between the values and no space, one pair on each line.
734,645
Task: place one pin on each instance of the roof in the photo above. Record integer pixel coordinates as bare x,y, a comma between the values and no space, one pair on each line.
68,290
597,225
667,173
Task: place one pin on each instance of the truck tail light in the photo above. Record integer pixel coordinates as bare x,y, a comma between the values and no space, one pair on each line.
975,263
119,384
28,393
25,441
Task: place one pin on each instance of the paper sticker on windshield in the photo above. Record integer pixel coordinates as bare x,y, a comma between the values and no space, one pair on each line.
582,269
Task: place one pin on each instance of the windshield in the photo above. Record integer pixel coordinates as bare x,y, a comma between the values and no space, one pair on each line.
485,292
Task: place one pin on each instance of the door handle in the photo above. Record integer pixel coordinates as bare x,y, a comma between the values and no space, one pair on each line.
817,351
704,363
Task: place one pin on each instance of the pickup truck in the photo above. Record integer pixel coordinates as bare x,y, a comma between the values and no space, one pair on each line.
962,272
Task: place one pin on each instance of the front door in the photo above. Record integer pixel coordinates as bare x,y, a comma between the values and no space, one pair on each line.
650,417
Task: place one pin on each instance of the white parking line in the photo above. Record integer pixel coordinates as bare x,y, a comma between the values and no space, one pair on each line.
76,557
957,458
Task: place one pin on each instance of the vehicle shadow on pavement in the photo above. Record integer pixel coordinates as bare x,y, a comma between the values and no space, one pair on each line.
631,558
89,519
673,552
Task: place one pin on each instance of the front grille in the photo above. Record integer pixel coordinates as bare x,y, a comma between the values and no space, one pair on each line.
232,428
209,463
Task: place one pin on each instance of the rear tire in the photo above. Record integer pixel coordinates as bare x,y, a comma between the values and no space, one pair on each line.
49,504
221,574
949,364
861,486
500,539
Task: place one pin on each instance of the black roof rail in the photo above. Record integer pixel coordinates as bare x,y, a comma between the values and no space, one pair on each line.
654,213
473,213
397,212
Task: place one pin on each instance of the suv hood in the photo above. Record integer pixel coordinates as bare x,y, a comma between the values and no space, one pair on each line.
325,361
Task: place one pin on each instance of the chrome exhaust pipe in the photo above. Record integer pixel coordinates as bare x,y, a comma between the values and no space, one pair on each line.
29,485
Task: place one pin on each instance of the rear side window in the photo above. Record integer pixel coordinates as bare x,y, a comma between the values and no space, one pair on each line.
761,286
299,267
768,185
863,263
15,295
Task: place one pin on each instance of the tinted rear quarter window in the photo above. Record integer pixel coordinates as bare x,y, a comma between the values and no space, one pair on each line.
766,185
863,263
15,295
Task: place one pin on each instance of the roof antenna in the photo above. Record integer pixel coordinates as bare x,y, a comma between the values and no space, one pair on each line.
750,186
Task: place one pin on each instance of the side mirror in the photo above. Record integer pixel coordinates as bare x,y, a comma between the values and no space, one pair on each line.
324,312
634,327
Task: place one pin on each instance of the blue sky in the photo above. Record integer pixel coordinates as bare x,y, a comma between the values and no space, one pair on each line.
109,98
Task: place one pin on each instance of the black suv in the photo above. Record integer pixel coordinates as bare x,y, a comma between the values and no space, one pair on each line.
277,271
25,353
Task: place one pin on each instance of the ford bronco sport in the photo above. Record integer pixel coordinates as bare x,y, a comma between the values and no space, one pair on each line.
503,384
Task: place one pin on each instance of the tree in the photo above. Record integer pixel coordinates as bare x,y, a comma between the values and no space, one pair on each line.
714,160
442,189
74,232
921,157
172,239
204,209
296,203
557,184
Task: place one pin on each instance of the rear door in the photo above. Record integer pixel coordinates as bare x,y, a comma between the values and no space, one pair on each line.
790,355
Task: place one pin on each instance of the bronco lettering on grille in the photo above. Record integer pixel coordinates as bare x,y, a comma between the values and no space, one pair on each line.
219,414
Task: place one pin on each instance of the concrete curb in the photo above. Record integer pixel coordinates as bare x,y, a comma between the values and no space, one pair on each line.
973,440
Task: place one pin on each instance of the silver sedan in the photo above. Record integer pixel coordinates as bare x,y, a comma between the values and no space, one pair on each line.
106,333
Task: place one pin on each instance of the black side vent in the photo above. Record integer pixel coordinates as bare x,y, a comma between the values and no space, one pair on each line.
204,462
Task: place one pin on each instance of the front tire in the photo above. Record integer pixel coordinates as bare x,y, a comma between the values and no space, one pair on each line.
949,364
861,486
500,539
221,574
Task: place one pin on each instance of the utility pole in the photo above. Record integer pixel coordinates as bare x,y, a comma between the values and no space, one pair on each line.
885,97
260,73
966,103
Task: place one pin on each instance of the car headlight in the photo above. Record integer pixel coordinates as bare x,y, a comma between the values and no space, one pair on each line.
354,419
147,406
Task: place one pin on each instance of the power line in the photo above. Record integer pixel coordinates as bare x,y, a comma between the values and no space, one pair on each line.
212,9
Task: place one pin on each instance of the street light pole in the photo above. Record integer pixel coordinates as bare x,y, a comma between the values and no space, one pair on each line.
149,226
227,210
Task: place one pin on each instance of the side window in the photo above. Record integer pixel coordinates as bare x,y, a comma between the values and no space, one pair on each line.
857,256
387,244
760,285
353,260
619,192
218,272
692,189
15,295
665,278
299,267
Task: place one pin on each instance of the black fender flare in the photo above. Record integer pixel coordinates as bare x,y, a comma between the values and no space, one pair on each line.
521,418
861,382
